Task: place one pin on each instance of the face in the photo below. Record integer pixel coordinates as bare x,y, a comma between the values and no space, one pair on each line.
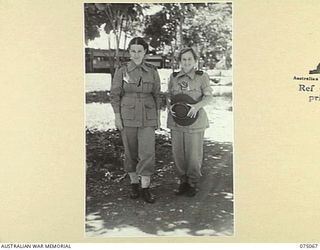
137,53
187,61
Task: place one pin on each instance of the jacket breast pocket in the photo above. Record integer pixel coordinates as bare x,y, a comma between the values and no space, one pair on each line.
147,87
150,109
194,88
127,111
129,87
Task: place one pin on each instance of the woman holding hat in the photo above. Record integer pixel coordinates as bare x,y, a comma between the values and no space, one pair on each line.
188,92
135,101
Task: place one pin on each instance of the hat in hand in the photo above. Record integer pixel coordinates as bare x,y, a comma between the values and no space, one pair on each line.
180,108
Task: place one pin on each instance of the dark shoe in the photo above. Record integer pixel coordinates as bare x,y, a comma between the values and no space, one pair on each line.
191,191
183,188
134,194
147,196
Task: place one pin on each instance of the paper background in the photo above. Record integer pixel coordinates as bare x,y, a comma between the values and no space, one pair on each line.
42,123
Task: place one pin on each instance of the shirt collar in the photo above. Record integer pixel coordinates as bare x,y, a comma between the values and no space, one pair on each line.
132,66
191,74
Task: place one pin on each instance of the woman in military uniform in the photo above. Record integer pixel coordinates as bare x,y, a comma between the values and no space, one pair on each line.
135,101
187,140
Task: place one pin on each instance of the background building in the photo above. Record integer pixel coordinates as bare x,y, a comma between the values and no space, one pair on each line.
102,60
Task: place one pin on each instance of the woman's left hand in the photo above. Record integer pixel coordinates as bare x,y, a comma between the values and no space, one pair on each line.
193,110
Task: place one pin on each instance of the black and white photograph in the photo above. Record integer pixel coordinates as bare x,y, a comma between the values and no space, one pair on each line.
159,122
159,119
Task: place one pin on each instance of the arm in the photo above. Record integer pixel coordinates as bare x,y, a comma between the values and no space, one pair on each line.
115,97
206,96
206,91
156,89
169,94
156,95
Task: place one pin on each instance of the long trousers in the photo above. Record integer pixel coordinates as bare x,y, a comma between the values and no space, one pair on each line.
187,149
139,150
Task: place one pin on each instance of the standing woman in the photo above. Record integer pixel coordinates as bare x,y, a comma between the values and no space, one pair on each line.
135,101
188,86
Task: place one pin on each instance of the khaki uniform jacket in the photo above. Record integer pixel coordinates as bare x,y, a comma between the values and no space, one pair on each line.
194,84
135,94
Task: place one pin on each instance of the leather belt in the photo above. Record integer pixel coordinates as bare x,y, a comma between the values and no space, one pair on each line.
138,95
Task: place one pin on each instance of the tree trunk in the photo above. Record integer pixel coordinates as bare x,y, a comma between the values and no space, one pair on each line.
117,51
110,57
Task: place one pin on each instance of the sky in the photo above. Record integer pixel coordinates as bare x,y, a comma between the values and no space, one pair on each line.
102,41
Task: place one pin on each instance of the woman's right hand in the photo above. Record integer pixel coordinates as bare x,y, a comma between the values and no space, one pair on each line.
118,121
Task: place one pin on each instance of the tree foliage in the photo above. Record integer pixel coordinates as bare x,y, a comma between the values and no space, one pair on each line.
159,30
209,29
92,23
116,18
205,27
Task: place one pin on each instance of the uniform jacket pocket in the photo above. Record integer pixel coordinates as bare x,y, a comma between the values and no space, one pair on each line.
151,112
194,88
128,111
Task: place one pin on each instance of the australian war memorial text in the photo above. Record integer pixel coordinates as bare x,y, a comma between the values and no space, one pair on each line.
34,246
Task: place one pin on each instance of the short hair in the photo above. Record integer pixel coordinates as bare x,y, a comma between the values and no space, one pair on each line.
139,41
185,50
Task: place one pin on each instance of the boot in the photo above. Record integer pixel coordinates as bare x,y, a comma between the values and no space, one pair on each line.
147,196
134,193
183,188
191,191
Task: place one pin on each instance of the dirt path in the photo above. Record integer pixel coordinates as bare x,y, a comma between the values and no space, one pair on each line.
111,212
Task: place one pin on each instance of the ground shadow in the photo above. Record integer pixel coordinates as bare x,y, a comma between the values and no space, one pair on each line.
111,212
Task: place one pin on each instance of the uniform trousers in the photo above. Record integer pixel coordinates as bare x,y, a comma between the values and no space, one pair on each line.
187,149
139,150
